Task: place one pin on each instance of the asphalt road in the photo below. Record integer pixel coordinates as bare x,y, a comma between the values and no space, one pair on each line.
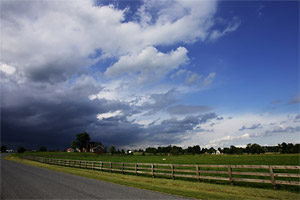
20,181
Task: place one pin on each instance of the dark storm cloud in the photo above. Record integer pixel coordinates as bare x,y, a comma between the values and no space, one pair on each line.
36,114
172,130
254,126
47,123
56,124
53,71
185,109
161,101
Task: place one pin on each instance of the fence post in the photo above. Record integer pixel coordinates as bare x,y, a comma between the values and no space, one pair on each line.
198,173
101,167
110,165
230,174
152,169
80,164
86,164
122,168
172,171
272,177
136,169
93,165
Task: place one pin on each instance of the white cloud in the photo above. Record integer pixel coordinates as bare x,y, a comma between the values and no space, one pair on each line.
209,79
48,49
231,26
191,78
226,133
150,63
109,114
8,69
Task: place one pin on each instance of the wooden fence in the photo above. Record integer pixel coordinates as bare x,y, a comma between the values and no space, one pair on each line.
273,174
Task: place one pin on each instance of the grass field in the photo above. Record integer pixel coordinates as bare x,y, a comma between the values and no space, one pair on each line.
176,187
263,159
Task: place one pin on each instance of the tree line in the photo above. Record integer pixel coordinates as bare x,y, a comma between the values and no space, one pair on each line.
82,140
249,149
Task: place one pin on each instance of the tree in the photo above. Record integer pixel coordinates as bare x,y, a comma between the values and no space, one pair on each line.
73,144
212,150
112,149
3,148
194,150
151,150
82,140
21,149
220,150
42,148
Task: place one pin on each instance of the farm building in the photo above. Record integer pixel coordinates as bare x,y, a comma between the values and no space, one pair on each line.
96,147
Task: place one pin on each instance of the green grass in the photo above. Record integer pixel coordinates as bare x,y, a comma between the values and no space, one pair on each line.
175,187
263,159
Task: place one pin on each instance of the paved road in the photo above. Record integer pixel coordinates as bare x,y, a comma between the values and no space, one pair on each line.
20,181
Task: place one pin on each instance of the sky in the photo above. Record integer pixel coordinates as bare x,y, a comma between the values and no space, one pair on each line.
146,73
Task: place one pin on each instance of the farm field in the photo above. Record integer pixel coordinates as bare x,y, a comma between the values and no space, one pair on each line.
176,187
262,159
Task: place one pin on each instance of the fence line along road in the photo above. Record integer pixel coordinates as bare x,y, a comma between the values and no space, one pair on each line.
271,174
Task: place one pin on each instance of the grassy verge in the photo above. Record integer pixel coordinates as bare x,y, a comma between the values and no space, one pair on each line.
262,159
175,187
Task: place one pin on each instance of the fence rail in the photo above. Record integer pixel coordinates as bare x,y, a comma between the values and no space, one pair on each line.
273,174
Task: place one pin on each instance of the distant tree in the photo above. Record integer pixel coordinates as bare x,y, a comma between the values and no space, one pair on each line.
226,150
204,150
174,152
297,148
212,150
81,141
42,148
194,150
21,149
256,149
3,148
151,150
73,144
112,149
220,150
141,150
123,151
290,148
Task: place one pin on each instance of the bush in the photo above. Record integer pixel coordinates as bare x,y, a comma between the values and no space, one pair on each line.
3,148
42,148
21,149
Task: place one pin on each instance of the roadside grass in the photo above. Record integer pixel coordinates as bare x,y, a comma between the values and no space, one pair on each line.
262,159
175,187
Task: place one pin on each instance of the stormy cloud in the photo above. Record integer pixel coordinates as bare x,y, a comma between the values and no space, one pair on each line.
254,126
